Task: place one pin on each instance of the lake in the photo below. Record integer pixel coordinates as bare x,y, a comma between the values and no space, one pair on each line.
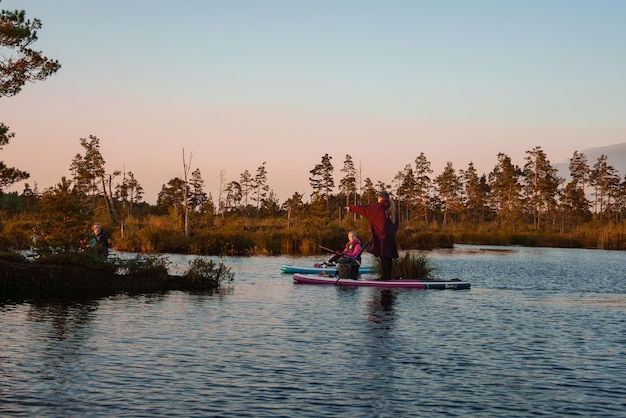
542,332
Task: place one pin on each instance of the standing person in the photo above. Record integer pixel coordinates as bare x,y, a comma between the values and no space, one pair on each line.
101,241
383,223
352,249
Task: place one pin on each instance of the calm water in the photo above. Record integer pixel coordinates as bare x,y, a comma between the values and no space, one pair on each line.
542,332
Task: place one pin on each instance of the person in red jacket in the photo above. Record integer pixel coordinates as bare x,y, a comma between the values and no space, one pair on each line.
383,224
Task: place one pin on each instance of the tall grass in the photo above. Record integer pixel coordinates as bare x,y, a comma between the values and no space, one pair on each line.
411,265
240,236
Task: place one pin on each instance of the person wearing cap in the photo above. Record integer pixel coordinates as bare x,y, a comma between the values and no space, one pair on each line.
383,224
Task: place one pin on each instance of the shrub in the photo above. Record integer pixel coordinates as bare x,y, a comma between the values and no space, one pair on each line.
79,259
207,274
145,266
414,266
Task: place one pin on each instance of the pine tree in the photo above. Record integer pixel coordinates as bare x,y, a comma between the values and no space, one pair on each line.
406,191
322,181
172,193
368,193
129,192
475,194
247,186
199,198
504,182
63,219
90,178
260,186
423,183
19,64
233,196
348,183
604,178
449,189
541,184
579,170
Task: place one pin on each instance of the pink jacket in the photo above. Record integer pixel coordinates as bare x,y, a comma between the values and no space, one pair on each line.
353,248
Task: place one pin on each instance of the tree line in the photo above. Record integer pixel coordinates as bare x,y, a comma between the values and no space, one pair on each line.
512,198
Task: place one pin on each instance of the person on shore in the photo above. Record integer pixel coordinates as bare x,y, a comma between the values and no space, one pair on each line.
383,224
352,249
100,241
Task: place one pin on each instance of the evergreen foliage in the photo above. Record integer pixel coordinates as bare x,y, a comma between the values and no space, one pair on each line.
510,206
208,274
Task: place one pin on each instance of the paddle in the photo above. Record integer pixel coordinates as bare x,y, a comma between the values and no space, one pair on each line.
333,259
331,250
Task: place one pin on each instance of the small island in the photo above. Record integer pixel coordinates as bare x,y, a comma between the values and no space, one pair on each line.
78,273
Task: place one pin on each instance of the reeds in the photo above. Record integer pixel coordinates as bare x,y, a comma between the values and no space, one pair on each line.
410,266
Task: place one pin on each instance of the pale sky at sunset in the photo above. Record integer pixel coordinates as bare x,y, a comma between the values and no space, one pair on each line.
238,83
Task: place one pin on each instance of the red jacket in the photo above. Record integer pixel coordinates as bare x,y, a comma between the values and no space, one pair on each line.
382,230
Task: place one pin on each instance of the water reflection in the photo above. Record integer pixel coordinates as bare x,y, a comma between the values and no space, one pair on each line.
521,342
381,309
66,318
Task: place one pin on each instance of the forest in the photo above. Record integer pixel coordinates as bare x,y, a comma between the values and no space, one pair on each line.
511,205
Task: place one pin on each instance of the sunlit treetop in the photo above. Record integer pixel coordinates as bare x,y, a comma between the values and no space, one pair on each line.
19,63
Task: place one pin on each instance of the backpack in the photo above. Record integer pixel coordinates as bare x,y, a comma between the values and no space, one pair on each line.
348,268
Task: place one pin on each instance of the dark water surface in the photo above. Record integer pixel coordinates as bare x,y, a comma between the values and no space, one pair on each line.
542,332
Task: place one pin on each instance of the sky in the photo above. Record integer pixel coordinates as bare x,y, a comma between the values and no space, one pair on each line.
236,83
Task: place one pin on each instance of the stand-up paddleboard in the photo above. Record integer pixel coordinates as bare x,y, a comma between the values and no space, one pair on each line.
455,284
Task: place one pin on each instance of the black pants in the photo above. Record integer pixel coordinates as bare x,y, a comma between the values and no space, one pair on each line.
385,264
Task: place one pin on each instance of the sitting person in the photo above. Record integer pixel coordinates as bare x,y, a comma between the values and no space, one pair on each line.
351,252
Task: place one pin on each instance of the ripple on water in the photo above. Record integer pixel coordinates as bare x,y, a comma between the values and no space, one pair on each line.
534,336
